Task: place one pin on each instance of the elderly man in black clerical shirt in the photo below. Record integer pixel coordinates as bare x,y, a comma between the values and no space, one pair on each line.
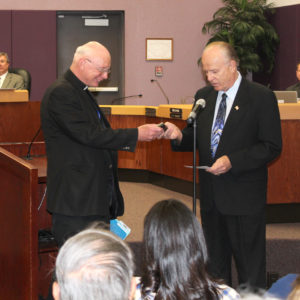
82,148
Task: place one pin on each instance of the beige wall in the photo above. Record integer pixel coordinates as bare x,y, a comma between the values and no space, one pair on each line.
180,19
279,3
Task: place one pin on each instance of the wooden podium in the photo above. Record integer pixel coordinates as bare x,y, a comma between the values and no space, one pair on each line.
25,264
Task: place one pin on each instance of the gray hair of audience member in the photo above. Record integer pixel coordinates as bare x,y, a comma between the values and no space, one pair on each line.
94,264
5,55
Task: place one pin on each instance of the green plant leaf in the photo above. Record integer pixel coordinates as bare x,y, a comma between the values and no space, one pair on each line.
244,25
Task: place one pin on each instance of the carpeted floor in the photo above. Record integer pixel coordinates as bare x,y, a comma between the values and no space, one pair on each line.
283,240
139,198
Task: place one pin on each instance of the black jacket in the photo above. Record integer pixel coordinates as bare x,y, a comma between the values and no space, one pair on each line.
251,138
81,151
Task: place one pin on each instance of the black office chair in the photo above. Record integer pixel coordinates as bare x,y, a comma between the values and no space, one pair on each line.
26,77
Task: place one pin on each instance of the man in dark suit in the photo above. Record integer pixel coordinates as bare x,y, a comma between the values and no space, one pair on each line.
82,180
9,80
234,186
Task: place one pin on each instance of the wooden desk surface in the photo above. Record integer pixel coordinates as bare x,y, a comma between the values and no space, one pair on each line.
288,111
13,95
40,163
38,158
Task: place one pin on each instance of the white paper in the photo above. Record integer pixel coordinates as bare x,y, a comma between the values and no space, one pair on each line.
198,167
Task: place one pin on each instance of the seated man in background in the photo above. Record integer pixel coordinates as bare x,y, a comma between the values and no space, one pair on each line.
296,86
94,264
9,80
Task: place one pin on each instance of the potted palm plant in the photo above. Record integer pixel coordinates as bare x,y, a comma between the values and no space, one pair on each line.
244,24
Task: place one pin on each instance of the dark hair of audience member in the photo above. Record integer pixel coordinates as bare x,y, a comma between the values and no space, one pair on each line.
175,254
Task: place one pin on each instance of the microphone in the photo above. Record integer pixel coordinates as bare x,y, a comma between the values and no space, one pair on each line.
200,104
116,99
152,80
28,156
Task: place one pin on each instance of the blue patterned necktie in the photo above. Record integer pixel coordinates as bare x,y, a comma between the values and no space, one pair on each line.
218,126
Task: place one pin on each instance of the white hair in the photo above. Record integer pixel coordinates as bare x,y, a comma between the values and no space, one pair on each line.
87,49
94,264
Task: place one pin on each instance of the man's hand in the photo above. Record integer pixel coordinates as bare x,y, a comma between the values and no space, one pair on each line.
221,166
149,132
172,132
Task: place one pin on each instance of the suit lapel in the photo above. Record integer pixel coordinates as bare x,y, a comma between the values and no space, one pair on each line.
239,107
205,122
210,109
6,81
95,108
237,113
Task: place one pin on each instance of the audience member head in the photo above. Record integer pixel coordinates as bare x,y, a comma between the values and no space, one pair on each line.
91,63
4,63
219,64
298,70
295,293
175,255
94,264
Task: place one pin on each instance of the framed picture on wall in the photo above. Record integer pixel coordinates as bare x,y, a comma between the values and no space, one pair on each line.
159,49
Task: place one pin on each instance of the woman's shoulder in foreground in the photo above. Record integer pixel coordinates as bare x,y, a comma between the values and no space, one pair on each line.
138,291
227,293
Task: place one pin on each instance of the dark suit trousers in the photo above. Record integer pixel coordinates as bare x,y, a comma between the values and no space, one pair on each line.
240,237
63,227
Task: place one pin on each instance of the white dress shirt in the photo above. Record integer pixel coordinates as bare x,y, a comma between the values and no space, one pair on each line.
231,93
2,78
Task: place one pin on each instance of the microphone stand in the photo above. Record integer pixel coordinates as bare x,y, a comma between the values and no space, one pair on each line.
194,166
200,103
28,156
122,98
158,84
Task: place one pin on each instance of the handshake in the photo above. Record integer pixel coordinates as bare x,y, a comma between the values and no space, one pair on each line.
150,132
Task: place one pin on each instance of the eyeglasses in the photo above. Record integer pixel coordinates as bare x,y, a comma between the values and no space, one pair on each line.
101,70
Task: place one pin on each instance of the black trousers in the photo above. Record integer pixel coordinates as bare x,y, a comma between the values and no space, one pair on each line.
64,227
240,237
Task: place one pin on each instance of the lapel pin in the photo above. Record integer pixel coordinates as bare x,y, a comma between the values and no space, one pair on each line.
236,108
